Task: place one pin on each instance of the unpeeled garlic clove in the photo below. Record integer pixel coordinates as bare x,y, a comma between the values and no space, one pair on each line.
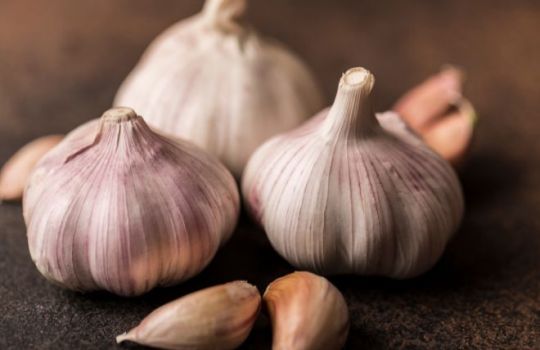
219,317
421,105
452,134
14,174
307,313
349,192
215,81
438,112
116,206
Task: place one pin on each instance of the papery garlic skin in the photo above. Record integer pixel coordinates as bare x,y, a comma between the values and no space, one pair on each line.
214,81
307,313
14,174
351,193
116,206
219,317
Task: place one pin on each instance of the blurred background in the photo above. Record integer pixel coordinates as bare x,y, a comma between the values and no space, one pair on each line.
62,58
61,62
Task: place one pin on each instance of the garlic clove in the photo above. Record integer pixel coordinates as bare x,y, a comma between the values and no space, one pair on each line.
215,81
436,110
351,193
423,104
219,317
14,174
307,313
118,207
451,136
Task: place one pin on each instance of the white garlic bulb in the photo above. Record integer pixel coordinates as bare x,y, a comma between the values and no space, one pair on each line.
116,206
214,81
347,193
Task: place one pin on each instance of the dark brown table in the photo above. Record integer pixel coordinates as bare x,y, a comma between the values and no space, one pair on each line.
61,62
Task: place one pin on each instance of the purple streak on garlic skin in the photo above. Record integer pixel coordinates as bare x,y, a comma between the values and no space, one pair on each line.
216,82
116,206
349,192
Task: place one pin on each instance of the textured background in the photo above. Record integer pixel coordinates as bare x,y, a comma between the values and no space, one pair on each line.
61,62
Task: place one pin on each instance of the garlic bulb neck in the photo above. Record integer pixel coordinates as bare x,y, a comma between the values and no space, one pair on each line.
352,114
123,130
224,14
120,123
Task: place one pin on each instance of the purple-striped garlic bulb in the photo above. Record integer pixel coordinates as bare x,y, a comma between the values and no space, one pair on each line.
117,207
349,192
215,81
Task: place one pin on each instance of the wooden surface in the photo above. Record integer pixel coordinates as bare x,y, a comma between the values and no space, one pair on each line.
61,62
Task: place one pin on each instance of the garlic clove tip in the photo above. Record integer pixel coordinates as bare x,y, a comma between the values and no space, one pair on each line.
123,337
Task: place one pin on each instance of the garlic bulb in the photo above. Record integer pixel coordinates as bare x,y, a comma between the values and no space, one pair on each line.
116,206
219,317
307,313
437,111
351,193
15,172
213,80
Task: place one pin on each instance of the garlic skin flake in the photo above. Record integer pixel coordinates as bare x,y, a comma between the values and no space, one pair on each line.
219,317
118,207
15,173
215,81
349,192
307,313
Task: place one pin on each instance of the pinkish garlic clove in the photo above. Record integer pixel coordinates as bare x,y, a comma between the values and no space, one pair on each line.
438,112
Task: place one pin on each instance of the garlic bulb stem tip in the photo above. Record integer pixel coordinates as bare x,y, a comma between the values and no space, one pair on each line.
224,11
357,76
119,114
